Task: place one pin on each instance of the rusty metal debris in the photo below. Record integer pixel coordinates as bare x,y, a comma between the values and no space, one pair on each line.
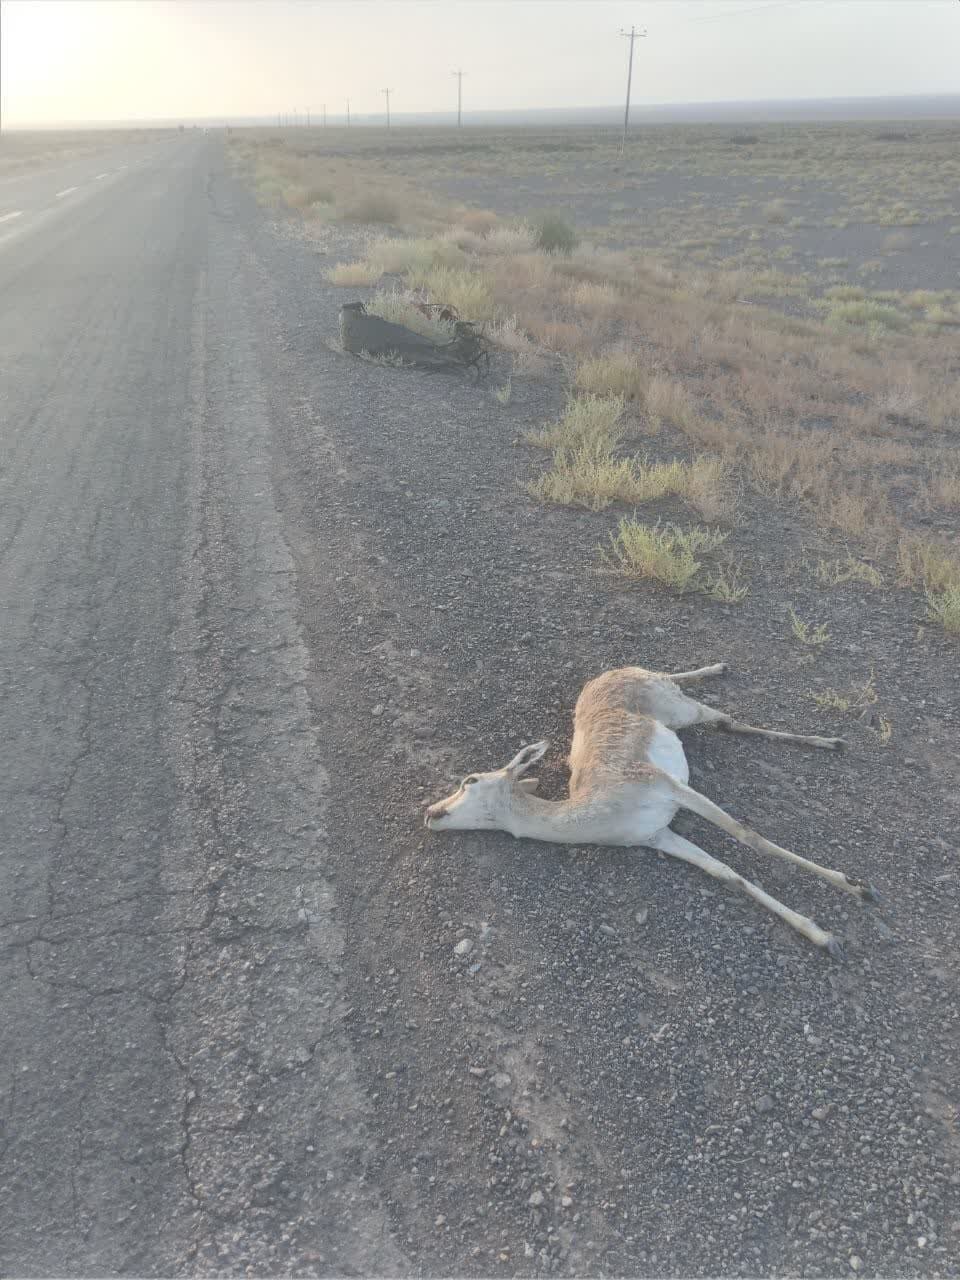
364,334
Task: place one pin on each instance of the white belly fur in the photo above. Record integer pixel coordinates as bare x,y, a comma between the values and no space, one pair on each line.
666,752
653,808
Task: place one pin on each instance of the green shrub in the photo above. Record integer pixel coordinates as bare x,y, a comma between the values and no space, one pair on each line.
553,234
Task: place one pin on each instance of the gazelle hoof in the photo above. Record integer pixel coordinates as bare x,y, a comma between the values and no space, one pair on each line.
870,894
836,744
835,950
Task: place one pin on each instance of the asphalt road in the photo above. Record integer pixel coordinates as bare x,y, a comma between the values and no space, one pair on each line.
257,603
168,955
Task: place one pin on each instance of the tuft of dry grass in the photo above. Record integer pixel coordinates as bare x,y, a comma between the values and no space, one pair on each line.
936,570
617,374
848,569
943,486
590,477
876,317
510,240
468,291
588,422
726,584
481,221
400,308
944,607
663,553
354,273
411,255
667,400
927,564
858,698
814,635
593,298
369,206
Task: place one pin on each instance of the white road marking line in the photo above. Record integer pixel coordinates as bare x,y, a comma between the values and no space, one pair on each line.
101,175
6,217
65,192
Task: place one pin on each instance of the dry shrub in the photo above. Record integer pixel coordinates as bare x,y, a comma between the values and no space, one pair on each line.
468,291
618,374
558,335
602,299
482,221
787,464
867,314
667,400
401,256
902,400
507,333
369,206
510,241
527,271
304,198
862,515
943,486
708,489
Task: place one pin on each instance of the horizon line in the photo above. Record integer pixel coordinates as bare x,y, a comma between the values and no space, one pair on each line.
637,109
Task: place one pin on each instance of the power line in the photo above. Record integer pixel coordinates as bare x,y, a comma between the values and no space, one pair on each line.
736,13
459,75
632,35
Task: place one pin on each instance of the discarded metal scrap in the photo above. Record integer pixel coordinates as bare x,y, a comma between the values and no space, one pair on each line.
365,334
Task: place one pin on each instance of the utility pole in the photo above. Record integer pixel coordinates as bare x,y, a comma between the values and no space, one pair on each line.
632,35
348,113
386,94
459,75
324,115
308,118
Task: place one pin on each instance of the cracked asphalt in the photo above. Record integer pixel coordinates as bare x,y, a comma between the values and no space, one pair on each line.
170,954
258,603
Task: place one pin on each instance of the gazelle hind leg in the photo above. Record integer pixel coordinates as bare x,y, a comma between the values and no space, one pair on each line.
675,846
701,673
721,720
702,805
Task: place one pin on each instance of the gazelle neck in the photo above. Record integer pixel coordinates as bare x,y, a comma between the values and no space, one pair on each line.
563,821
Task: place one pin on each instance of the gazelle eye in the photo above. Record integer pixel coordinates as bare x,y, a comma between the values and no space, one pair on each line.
472,777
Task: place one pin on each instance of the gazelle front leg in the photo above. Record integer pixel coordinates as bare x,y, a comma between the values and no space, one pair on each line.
669,842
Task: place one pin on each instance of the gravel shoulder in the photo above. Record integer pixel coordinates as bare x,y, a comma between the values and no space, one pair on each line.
629,1071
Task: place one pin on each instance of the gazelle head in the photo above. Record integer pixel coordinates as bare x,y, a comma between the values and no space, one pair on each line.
483,800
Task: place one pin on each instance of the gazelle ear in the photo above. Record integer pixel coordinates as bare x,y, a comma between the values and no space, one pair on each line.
526,757
528,784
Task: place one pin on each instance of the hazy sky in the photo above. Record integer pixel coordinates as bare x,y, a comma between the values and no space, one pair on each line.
86,60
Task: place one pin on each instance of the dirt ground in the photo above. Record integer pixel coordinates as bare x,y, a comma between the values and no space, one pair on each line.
632,1071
